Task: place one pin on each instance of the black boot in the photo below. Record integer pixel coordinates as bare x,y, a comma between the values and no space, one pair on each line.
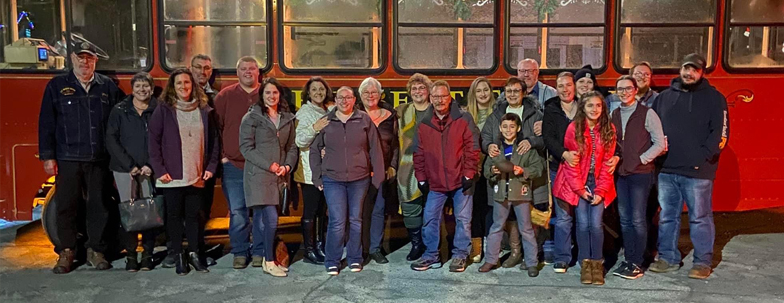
147,261
197,263
417,247
181,264
131,262
311,256
320,231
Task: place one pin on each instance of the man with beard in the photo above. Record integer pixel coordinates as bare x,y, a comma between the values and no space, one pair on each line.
695,119
642,72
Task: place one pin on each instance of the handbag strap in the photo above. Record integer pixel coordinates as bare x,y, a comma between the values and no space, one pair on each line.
549,182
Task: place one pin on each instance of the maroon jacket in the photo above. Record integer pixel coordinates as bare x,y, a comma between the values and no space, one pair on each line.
165,146
447,151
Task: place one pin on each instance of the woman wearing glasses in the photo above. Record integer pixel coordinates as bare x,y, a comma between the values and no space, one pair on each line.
526,108
384,117
640,141
352,151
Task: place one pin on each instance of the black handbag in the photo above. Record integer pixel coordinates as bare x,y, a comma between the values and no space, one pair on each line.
138,214
284,199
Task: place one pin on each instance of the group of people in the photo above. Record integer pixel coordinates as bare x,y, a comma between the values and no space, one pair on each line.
570,148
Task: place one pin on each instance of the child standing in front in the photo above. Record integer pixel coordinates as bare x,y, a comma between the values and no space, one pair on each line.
510,176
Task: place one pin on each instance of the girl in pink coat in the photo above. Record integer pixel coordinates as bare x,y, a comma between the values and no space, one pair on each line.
589,185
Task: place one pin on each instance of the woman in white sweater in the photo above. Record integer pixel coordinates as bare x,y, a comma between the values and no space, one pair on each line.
317,100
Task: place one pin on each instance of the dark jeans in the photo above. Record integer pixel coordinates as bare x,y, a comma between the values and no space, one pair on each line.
373,218
564,222
183,208
239,221
633,193
483,199
73,180
344,202
265,225
673,191
590,234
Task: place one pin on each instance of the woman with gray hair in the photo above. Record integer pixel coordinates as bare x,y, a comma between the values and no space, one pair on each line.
385,119
126,141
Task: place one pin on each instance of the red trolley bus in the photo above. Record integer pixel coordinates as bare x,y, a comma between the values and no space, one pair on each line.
455,40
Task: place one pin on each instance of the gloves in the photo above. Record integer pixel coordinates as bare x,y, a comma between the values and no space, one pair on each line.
424,187
467,183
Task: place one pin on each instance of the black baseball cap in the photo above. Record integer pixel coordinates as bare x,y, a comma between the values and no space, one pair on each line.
695,60
85,47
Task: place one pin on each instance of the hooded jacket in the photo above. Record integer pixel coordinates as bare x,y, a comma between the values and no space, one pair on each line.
696,123
126,136
262,143
447,150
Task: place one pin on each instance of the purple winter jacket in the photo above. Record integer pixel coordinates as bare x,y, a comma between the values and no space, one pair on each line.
165,146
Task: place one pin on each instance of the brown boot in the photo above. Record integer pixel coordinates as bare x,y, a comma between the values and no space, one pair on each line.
514,242
97,260
597,272
64,262
476,250
586,271
487,267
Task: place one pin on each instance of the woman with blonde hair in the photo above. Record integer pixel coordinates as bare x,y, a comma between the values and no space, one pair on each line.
480,105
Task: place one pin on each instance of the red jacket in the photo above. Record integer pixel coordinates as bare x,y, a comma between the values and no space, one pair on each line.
570,181
447,151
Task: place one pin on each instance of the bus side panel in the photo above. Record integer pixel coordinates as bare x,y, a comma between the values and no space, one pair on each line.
20,103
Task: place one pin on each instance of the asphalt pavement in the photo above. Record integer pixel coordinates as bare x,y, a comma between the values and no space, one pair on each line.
748,267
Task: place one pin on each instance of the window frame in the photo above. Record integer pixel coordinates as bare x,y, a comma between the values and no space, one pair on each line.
448,25
382,25
162,39
725,64
69,50
617,40
508,25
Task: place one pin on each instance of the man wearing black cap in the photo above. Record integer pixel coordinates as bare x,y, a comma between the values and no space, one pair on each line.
71,124
695,120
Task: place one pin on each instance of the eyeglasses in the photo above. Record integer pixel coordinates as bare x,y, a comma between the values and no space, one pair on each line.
642,75
368,94
527,71
86,58
513,91
204,68
349,98
418,88
439,97
627,89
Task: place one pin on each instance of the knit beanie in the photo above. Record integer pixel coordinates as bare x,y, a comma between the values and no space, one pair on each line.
586,71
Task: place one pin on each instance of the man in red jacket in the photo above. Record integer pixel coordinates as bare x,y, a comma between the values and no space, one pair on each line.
446,159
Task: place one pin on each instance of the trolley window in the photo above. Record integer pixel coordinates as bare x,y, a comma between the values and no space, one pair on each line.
223,30
754,37
445,35
559,34
336,36
33,33
662,32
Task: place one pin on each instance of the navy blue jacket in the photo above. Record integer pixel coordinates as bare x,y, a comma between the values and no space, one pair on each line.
696,123
72,122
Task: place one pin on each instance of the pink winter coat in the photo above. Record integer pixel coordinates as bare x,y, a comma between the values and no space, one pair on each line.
570,181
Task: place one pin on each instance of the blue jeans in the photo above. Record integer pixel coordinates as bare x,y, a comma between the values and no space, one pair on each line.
265,225
673,190
564,220
434,214
633,191
377,222
239,222
590,235
344,203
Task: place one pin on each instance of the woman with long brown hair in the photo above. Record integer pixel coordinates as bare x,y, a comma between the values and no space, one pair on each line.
589,185
184,153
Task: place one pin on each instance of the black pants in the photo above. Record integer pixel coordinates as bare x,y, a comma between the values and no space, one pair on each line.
315,205
206,210
183,211
74,179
